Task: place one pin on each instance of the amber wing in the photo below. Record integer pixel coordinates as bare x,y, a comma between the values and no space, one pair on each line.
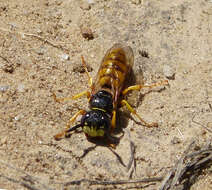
114,68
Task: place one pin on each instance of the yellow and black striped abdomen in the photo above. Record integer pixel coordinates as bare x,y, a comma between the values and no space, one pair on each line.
112,72
114,67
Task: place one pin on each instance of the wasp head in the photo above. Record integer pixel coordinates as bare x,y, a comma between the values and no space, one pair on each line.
95,123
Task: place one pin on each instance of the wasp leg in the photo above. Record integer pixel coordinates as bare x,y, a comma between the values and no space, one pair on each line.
87,93
111,141
113,121
90,80
113,146
67,129
139,86
125,103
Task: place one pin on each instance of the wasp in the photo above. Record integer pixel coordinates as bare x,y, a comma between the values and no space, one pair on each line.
106,94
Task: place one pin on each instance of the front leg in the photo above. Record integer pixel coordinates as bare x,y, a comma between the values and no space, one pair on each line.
67,130
87,93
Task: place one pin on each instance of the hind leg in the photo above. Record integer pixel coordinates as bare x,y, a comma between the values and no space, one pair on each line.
139,86
133,111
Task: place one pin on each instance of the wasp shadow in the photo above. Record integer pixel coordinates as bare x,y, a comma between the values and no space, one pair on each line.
104,142
123,114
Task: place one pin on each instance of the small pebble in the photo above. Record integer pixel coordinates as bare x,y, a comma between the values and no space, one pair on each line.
3,8
40,142
90,1
209,124
18,117
69,173
40,50
21,88
3,140
4,88
64,57
169,72
87,33
39,31
9,68
84,5
136,2
175,140
13,26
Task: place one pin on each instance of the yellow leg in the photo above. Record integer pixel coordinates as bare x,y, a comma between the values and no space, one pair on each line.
87,93
113,122
139,87
64,132
125,103
90,80
113,146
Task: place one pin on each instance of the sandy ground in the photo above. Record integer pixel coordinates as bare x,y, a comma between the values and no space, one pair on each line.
41,43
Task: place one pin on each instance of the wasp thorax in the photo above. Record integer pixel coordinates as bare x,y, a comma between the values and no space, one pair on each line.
102,100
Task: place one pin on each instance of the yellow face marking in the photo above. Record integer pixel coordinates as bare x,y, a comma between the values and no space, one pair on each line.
93,132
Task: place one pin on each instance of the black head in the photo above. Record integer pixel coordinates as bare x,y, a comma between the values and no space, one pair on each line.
95,123
102,100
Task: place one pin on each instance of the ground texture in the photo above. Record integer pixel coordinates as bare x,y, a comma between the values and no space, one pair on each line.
41,43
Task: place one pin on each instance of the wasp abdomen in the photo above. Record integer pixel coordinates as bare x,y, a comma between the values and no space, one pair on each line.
113,69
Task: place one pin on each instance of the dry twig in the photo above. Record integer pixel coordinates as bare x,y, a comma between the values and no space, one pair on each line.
188,168
25,181
36,36
118,182
207,128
